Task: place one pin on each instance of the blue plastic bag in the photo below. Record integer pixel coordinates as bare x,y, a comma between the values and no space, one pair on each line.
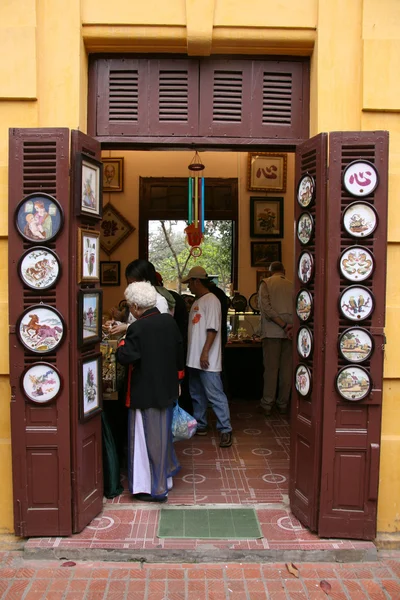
183,425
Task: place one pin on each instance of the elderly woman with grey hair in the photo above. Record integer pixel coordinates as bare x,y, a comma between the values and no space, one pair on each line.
153,352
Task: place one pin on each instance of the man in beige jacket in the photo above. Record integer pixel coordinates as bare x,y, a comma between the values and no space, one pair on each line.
276,302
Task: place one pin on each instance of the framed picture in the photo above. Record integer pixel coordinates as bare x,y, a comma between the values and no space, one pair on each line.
260,275
88,255
90,387
114,229
266,172
266,217
113,174
264,253
41,328
89,194
39,218
110,272
90,306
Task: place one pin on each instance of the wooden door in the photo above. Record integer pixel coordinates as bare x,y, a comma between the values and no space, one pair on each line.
307,405
352,424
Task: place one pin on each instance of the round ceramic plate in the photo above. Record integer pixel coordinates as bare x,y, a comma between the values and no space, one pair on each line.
357,303
360,219
360,178
41,329
39,218
39,268
303,380
304,305
305,269
356,263
41,383
239,303
304,342
353,383
253,303
356,345
306,190
305,228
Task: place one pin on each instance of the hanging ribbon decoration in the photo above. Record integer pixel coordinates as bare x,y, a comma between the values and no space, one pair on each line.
195,229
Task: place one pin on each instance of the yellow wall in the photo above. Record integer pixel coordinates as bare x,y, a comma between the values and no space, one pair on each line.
354,49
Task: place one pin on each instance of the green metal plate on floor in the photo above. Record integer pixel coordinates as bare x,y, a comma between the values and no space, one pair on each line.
220,523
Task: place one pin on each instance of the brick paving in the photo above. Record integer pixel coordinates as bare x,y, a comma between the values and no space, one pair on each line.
22,579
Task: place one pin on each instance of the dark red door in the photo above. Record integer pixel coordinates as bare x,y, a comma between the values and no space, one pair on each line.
307,404
352,424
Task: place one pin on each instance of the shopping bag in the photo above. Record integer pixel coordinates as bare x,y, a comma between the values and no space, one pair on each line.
183,425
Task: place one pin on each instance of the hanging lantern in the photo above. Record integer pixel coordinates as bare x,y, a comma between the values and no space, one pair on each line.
195,229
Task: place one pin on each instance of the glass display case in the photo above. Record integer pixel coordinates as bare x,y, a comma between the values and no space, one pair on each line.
243,327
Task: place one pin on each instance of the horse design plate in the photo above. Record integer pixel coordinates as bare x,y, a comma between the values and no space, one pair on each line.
41,329
39,268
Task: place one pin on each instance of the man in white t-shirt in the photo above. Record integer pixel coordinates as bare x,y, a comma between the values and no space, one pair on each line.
204,358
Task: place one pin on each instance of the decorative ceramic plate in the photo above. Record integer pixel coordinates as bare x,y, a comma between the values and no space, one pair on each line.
356,344
305,342
353,383
239,303
306,190
41,383
253,303
41,328
360,178
39,218
360,219
305,228
304,305
357,303
303,380
356,263
39,268
305,269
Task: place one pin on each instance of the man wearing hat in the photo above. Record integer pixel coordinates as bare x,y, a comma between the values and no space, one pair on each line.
204,358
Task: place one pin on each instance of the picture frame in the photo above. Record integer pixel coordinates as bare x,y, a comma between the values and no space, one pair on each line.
260,275
39,218
114,229
88,255
267,172
90,309
90,387
113,174
110,273
88,187
264,253
266,217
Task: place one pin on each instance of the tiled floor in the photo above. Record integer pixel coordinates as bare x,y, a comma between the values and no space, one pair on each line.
253,472
60,580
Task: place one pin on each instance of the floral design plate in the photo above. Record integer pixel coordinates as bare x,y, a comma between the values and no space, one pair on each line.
356,345
303,380
305,342
353,383
356,303
356,263
360,178
41,383
305,228
41,329
360,219
305,269
39,268
306,190
304,305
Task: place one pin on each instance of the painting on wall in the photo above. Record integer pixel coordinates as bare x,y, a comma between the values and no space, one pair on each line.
89,316
264,253
267,172
90,387
113,174
114,229
89,192
266,217
88,255
110,272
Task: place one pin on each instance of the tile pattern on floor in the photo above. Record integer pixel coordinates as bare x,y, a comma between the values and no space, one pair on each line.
37,580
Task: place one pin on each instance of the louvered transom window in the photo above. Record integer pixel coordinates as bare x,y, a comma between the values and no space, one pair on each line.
173,103
39,170
227,96
277,98
123,96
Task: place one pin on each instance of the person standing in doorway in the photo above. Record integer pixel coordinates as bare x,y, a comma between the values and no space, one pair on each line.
204,357
276,302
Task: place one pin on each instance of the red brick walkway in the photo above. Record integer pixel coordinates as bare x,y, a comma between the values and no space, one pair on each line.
50,580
